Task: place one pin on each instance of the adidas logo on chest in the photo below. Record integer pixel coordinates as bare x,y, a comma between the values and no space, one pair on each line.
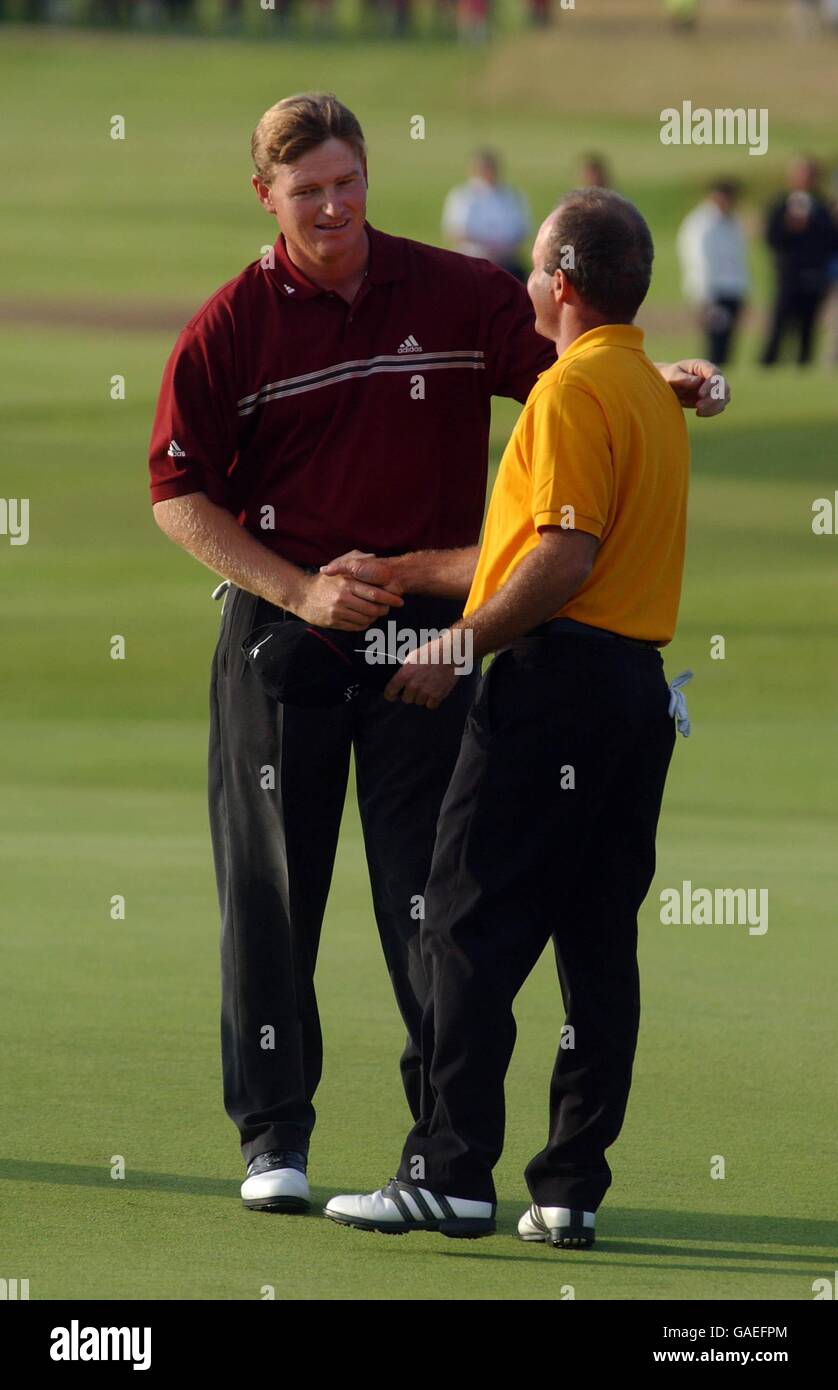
410,345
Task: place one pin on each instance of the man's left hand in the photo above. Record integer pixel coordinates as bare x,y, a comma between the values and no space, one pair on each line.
426,677
698,384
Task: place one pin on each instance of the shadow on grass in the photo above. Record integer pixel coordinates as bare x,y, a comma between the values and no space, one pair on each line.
98,1175
622,1231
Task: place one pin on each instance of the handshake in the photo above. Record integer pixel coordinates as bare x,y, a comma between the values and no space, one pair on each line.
353,591
357,589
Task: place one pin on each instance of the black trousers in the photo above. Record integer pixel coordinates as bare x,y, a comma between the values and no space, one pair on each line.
795,311
523,856
720,319
277,784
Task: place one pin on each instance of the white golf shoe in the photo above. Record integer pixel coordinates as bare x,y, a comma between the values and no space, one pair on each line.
403,1206
276,1181
563,1227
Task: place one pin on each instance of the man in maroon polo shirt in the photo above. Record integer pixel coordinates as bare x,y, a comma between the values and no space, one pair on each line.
334,396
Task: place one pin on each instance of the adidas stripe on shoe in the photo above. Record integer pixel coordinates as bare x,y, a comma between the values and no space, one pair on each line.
402,1206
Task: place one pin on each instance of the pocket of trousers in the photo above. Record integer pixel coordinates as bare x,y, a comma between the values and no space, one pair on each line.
482,711
236,622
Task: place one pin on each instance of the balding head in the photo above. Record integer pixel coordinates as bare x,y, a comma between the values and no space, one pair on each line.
600,241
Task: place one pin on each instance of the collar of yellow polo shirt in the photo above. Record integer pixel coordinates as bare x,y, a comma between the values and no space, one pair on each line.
600,446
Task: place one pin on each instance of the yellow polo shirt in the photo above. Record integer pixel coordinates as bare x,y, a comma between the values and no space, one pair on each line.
600,446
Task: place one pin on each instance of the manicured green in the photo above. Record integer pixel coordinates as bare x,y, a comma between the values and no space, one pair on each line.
110,1028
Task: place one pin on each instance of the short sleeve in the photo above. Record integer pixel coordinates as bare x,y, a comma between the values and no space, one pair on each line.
193,440
571,460
516,354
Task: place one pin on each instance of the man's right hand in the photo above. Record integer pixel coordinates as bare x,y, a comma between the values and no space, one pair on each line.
343,601
364,565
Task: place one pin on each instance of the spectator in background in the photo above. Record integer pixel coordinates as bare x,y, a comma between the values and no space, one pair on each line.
485,217
473,20
400,13
180,13
831,313
803,236
285,12
540,12
713,254
593,172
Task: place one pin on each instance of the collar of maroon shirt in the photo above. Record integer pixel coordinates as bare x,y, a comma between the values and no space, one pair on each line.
386,263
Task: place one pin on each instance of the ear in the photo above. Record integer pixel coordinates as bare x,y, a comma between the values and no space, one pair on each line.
263,193
564,290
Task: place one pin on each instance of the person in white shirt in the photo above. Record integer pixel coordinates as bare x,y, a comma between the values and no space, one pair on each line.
714,266
486,217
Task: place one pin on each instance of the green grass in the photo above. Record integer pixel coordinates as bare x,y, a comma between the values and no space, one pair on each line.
110,1028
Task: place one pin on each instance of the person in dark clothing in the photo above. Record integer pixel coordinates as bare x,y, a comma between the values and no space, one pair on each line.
803,236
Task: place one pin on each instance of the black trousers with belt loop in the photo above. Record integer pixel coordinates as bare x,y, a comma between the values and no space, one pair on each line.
547,831
277,783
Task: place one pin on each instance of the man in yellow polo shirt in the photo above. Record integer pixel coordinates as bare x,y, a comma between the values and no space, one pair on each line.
548,826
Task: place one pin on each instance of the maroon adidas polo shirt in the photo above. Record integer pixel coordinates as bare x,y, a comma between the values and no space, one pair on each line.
324,426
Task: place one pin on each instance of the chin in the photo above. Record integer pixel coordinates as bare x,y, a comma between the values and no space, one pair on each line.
344,238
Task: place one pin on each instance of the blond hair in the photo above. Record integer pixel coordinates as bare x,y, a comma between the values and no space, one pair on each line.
298,124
